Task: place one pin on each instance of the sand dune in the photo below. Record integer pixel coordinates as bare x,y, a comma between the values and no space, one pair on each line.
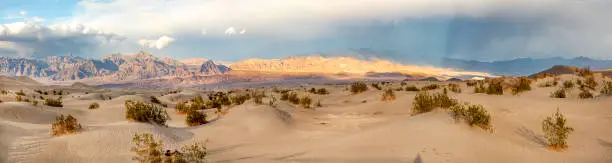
348,128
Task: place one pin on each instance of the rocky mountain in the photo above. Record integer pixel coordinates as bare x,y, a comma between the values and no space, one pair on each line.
113,67
524,66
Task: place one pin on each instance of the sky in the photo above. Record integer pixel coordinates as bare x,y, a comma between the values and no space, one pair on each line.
408,31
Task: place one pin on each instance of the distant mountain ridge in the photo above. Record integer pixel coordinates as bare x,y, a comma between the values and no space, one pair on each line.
141,65
524,66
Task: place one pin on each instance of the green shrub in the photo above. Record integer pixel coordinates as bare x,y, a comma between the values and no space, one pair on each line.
568,84
411,88
358,87
35,103
584,94
293,98
375,85
388,95
305,101
590,83
523,84
556,130
480,87
195,153
560,93
430,87
145,112
182,107
239,99
585,72
20,93
495,87
442,100
284,96
195,118
322,91
94,105
18,98
476,115
423,102
607,88
4,92
258,97
64,125
53,102
147,149
471,83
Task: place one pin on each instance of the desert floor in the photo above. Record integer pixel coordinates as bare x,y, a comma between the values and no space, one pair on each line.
347,128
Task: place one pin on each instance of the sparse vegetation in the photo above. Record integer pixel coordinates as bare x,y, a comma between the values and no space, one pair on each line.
358,87
607,88
18,98
64,125
305,102
195,118
4,92
474,115
523,84
411,88
471,83
559,93
585,72
430,87
156,101
145,112
35,103
495,87
53,102
20,93
584,94
388,95
425,102
590,83
258,97
240,99
454,87
375,85
148,150
94,105
568,84
318,104
556,131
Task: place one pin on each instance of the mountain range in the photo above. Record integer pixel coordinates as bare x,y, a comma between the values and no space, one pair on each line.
524,66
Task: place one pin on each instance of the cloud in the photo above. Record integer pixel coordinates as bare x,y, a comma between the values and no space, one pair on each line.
23,13
230,31
38,40
243,31
160,43
204,32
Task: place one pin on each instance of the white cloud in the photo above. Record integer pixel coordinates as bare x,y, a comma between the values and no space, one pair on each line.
243,31
204,32
160,43
230,31
23,12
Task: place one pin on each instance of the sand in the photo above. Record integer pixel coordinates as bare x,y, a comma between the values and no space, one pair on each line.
345,129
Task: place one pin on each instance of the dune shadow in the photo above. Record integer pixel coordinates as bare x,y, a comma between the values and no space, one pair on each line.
530,135
604,143
224,149
418,159
290,156
242,158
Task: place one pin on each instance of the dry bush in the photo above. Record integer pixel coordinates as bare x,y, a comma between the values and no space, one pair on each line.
474,115
388,95
568,84
585,72
559,93
305,102
454,88
4,92
145,112
425,102
53,102
182,107
590,83
495,87
156,101
375,85
64,125
607,88
195,118
480,87
411,88
258,97
430,87
20,93
556,131
239,99
35,103
318,104
18,98
523,84
444,101
584,94
403,83
38,91
147,149
322,91
94,105
195,153
358,87
471,83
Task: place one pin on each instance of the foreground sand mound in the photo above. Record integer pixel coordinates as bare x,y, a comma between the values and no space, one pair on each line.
250,120
25,113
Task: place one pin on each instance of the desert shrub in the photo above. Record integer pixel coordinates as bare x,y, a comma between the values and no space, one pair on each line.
523,84
584,94
53,102
585,72
476,115
312,90
318,103
411,88
197,99
94,105
442,100
195,118
35,103
20,93
495,87
403,83
239,99
607,88
423,102
322,91
38,91
556,130
480,87
145,112
358,87
258,97
559,93
18,98
26,100
568,84
293,98
221,98
375,85
182,107
284,96
272,102
590,83
305,102
195,153
65,125
388,95
471,83
156,101
146,148
454,88
430,87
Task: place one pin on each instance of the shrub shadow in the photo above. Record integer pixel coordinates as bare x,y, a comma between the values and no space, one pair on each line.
604,143
530,135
